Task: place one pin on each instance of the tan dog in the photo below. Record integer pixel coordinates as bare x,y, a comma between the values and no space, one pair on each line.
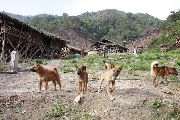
109,66
46,75
163,71
82,79
109,75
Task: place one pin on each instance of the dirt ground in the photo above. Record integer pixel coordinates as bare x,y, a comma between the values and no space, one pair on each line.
20,100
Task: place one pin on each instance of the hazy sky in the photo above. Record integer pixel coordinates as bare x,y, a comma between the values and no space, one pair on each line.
157,8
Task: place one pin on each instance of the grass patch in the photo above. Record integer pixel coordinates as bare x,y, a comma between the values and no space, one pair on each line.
175,113
16,105
154,103
128,61
3,66
1,110
55,110
67,69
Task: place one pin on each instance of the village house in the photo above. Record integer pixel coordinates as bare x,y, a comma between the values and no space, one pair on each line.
110,45
27,40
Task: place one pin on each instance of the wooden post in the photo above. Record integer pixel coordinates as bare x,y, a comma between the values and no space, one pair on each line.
2,58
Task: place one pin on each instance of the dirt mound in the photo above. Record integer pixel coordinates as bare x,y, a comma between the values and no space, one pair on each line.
144,40
75,38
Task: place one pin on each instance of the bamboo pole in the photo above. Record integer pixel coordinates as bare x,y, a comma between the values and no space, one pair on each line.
2,58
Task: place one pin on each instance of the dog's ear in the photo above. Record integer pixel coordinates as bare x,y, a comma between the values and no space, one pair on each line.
76,67
119,68
171,65
38,65
84,67
112,65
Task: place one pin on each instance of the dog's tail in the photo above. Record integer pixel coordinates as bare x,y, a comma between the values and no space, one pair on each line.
55,69
154,64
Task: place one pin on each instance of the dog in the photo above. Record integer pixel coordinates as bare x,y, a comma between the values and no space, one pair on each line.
82,79
163,71
109,75
46,75
109,66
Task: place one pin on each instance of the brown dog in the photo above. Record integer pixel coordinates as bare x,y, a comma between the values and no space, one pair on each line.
163,71
82,79
46,75
109,75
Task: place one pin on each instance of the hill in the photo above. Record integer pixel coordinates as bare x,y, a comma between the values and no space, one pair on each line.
169,31
19,17
110,24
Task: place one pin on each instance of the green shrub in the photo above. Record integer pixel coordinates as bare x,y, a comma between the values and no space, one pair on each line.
1,110
86,116
67,69
140,65
154,103
175,113
3,66
41,61
16,105
55,110
178,62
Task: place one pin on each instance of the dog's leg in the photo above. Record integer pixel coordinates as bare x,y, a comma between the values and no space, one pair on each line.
100,83
83,86
54,82
113,85
108,88
165,80
154,81
46,85
59,83
86,84
40,85
79,87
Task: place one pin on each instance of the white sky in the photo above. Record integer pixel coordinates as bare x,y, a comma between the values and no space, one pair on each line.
157,8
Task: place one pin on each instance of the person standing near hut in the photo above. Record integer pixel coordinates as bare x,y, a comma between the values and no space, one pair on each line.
82,52
105,51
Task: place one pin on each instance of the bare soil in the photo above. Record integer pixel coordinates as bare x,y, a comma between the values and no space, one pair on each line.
19,99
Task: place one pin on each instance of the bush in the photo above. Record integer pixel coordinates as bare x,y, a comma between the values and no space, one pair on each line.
16,105
175,113
67,69
55,110
40,61
154,103
1,110
178,62
3,66
140,66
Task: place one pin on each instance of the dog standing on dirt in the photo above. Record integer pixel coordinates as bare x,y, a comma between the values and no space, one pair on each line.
162,71
109,75
82,79
46,75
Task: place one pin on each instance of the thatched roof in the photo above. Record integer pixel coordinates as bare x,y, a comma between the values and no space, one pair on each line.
44,33
108,43
74,48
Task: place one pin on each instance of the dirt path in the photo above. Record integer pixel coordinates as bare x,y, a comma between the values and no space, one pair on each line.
130,103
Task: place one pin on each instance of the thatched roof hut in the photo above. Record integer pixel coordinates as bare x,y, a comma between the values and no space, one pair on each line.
115,47
29,41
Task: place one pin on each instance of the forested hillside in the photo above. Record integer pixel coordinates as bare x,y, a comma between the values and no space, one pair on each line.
170,29
111,24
